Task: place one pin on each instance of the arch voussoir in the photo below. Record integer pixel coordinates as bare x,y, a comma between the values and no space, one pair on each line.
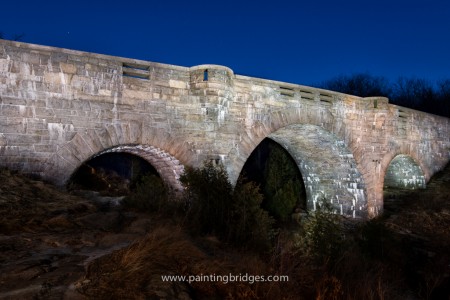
168,167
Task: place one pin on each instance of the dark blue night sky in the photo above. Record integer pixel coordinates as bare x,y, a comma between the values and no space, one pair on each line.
303,42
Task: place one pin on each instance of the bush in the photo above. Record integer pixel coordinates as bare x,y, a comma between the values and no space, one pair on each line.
208,195
374,238
214,208
251,225
322,234
150,195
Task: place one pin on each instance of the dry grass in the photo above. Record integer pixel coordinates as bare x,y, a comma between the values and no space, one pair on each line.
135,272
382,259
401,256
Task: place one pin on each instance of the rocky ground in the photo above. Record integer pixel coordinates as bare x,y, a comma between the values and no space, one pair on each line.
48,237
80,245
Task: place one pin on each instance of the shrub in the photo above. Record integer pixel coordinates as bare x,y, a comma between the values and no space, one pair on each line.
374,237
150,195
251,225
322,234
208,194
235,217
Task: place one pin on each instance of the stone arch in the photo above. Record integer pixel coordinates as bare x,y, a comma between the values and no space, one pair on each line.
168,167
403,171
162,153
260,123
327,166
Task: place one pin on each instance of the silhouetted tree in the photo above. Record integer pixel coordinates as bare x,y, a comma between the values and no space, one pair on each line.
16,37
443,98
444,88
361,84
415,93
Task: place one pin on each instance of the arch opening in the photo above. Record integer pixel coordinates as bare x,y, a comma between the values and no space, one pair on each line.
167,167
273,169
111,173
404,173
327,167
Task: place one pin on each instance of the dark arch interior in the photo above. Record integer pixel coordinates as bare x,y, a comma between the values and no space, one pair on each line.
111,173
257,166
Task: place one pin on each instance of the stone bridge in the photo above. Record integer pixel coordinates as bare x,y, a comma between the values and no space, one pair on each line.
60,108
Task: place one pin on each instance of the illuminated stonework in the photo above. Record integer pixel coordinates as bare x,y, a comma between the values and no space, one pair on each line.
403,172
168,167
60,107
327,166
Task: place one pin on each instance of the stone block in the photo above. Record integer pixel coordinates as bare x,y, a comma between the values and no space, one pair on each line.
43,112
68,68
92,140
50,148
22,139
13,127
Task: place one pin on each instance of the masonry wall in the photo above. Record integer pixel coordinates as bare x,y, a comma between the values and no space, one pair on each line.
60,107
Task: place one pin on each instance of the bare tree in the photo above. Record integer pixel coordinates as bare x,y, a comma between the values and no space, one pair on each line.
444,89
416,93
443,98
361,84
16,37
